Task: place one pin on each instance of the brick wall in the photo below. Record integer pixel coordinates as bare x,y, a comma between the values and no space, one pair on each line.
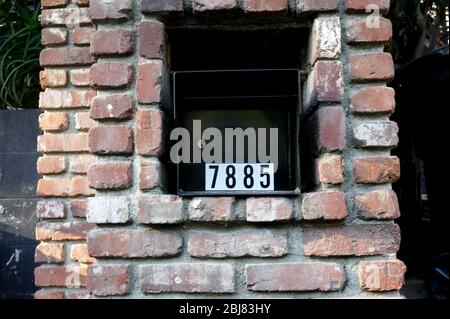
108,229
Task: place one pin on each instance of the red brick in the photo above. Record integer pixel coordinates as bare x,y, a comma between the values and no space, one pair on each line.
116,106
324,206
360,30
108,280
74,294
49,294
49,253
268,209
111,139
159,209
111,75
83,121
149,130
49,143
53,36
51,78
79,164
79,253
151,39
371,67
110,176
375,134
80,77
53,122
133,243
211,209
377,99
189,278
108,210
149,177
82,36
50,209
383,275
65,17
376,170
149,75
161,6
213,5
325,39
63,231
112,42
52,99
66,57
351,240
53,3
265,5
317,5
363,5
329,127
78,207
64,187
330,169
324,84
263,243
51,165
380,204
315,276
59,276
110,10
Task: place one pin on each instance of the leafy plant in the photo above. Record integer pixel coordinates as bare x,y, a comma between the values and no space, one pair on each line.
20,44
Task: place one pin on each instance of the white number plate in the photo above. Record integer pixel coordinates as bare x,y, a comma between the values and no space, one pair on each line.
239,177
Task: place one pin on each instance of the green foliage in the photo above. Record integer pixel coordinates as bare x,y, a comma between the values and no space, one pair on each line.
20,44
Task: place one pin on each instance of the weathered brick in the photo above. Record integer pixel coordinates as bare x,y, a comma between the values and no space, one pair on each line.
133,243
53,122
80,77
108,280
49,294
151,39
49,253
108,210
149,130
330,169
376,99
79,207
360,30
110,176
161,6
325,39
53,3
53,36
51,165
74,294
52,99
49,143
112,42
66,57
324,205
263,243
327,127
190,278
382,275
268,209
51,78
110,10
213,5
149,75
60,276
82,36
65,17
376,170
111,139
371,67
79,164
211,209
64,187
324,84
63,231
82,3
365,5
351,240
79,253
159,209
149,176
116,106
317,5
83,121
265,6
111,75
50,209
375,134
315,276
380,204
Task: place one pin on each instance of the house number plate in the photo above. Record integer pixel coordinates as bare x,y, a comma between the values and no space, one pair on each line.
239,177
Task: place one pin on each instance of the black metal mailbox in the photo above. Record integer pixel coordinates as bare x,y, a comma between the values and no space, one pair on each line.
233,105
